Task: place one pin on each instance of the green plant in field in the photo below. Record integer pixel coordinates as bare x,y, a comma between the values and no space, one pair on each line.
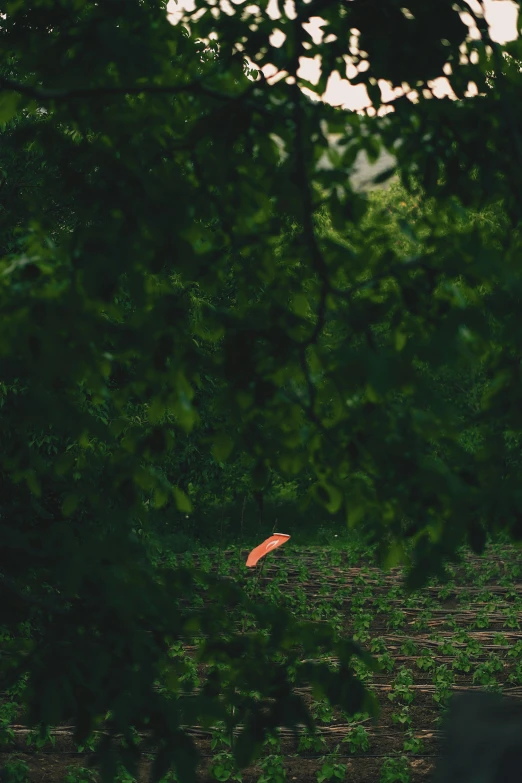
356,717
89,744
463,597
386,661
500,639
220,736
273,592
516,650
272,769
409,647
76,774
338,622
451,623
40,738
512,619
188,675
515,676
495,662
378,645
485,672
311,742
395,592
362,623
447,647
272,743
223,767
322,711
363,672
395,770
367,592
362,636
462,637
170,777
331,770
400,689
8,712
124,775
421,621
344,593
413,601
445,591
491,571
18,688
300,598
432,603
358,602
382,604
402,717
462,662
413,744
485,597
474,646
482,578
396,619
481,619
16,771
426,662
443,680
357,739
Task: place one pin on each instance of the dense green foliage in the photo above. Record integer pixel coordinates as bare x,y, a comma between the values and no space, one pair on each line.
190,316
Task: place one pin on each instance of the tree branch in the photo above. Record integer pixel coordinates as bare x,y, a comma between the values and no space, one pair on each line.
45,94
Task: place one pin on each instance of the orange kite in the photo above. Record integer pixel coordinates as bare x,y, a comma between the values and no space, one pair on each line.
275,540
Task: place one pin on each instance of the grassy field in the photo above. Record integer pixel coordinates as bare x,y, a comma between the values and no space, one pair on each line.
461,635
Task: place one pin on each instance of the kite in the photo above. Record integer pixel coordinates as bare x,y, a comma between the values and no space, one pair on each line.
275,540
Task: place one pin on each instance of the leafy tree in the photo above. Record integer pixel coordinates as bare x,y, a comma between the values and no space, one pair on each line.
182,274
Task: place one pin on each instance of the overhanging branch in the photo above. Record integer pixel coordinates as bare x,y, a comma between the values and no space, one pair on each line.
65,94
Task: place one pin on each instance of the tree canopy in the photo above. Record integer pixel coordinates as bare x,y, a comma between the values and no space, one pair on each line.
193,296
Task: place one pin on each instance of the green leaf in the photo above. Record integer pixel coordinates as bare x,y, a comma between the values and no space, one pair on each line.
222,447
301,305
400,340
161,497
33,483
156,410
70,504
183,502
9,103
355,515
385,175
394,555
331,497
